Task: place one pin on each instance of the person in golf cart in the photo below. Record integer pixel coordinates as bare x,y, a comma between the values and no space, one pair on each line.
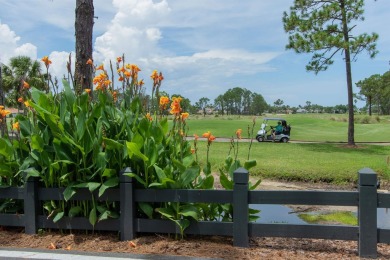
277,130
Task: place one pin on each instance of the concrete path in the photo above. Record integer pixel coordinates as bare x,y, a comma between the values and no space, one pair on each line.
38,254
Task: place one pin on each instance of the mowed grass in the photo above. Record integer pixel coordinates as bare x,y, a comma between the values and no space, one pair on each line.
326,162
306,127
332,163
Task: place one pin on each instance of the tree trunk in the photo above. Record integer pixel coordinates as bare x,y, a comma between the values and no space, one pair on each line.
370,106
347,54
83,29
1,88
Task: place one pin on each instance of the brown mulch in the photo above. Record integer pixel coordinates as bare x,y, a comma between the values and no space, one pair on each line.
195,246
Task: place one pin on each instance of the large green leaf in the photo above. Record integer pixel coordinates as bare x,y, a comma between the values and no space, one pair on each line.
90,185
69,192
81,125
6,148
37,142
189,175
160,173
62,150
151,151
208,182
55,125
93,216
75,211
166,212
58,216
112,144
189,211
113,182
25,126
69,95
31,172
133,150
164,125
157,133
250,164
147,209
6,170
225,182
139,179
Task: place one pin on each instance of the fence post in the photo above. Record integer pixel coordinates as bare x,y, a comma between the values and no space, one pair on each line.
127,208
367,213
31,205
240,208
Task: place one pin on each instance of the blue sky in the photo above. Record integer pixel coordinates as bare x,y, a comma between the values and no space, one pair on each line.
203,47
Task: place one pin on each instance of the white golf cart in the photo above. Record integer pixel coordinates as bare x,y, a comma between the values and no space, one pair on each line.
265,134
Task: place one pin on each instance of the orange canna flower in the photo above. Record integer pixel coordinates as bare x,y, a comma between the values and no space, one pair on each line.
100,67
164,100
1,107
4,112
87,90
148,116
46,60
115,96
127,73
122,69
134,68
154,75
89,62
175,106
206,135
16,126
20,100
107,83
184,116
141,83
26,85
27,104
119,59
209,137
121,78
238,133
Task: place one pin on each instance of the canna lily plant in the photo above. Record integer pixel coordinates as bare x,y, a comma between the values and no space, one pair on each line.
84,139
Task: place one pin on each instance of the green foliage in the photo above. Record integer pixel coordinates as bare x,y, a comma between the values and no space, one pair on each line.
83,141
342,217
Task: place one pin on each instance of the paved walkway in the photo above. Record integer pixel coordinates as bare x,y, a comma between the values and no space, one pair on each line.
38,254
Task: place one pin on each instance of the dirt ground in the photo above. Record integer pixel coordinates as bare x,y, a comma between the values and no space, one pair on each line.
198,246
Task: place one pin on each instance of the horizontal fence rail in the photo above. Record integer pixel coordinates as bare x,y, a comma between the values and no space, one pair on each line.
366,199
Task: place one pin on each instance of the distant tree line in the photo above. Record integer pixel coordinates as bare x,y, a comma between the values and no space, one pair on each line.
375,91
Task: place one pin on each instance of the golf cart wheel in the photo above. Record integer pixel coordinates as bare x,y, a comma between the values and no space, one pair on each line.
284,140
260,138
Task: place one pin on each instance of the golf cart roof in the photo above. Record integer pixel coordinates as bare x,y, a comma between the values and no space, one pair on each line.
274,118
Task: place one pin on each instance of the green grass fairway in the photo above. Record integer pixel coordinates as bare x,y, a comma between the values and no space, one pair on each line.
334,163
307,127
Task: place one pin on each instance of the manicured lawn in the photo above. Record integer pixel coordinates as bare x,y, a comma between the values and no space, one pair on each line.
305,162
302,162
308,127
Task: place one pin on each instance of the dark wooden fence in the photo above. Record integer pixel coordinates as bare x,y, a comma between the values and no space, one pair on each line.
366,199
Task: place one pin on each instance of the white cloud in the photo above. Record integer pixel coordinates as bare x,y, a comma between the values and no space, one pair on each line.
10,48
